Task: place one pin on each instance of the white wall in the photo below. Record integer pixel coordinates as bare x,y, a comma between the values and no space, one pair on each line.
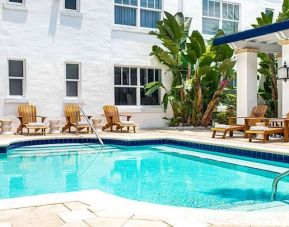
45,37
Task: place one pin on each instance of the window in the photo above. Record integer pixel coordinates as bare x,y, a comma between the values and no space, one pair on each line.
129,85
269,11
16,77
148,76
16,1
72,79
127,11
220,15
72,5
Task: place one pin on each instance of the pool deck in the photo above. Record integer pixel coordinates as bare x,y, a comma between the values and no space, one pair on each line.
96,208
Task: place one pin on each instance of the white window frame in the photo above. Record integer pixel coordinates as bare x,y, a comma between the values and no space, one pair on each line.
269,9
74,10
16,3
22,78
221,19
138,86
138,11
79,91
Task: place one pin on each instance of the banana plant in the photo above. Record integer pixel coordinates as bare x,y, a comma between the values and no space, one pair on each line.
196,69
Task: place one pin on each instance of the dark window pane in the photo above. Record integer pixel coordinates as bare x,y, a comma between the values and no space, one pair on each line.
125,96
71,89
71,4
157,75
230,27
148,18
143,75
217,9
211,8
158,4
15,68
16,1
117,76
150,75
72,71
225,10
152,99
151,4
236,12
133,2
210,26
126,2
143,3
205,8
125,76
230,11
16,87
124,16
133,76
118,1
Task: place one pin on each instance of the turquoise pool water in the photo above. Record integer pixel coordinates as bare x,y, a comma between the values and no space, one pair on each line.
162,174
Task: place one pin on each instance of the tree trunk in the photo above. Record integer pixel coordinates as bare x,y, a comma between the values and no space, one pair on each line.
274,83
207,117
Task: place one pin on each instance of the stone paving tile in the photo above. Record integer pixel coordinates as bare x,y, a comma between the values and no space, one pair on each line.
13,213
76,205
145,223
34,219
106,222
5,224
76,215
75,224
112,213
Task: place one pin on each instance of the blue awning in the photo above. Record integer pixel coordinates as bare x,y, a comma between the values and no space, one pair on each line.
269,34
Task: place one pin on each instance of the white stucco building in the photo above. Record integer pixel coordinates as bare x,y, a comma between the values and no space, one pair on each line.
96,52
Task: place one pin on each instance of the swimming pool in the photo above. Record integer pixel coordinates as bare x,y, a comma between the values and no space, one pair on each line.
161,173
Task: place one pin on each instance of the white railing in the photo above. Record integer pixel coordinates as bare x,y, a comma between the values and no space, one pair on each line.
93,129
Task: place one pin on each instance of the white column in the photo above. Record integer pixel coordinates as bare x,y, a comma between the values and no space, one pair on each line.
246,82
279,87
285,85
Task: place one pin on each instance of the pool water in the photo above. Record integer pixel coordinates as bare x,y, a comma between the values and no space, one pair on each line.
162,174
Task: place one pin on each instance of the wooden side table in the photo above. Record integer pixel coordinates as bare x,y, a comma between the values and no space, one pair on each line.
96,122
54,126
6,127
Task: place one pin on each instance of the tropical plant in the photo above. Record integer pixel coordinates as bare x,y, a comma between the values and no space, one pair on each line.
200,72
268,89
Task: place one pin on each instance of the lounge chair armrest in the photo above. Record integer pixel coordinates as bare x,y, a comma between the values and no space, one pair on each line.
20,119
42,118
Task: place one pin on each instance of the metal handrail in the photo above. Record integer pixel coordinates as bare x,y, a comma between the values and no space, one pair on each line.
275,184
93,129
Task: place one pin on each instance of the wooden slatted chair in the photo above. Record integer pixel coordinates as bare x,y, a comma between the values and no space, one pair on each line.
28,119
73,119
257,114
113,119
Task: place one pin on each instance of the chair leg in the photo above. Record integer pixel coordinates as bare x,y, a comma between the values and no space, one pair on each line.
250,137
213,134
231,133
134,129
224,135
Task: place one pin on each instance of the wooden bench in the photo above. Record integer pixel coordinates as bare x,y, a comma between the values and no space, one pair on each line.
266,133
225,130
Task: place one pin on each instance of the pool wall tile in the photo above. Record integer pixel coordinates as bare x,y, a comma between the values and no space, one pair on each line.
208,147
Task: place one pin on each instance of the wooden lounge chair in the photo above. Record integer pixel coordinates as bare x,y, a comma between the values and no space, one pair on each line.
281,129
257,115
28,119
73,119
113,119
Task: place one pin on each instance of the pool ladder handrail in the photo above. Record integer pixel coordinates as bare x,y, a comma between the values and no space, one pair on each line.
93,129
275,183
